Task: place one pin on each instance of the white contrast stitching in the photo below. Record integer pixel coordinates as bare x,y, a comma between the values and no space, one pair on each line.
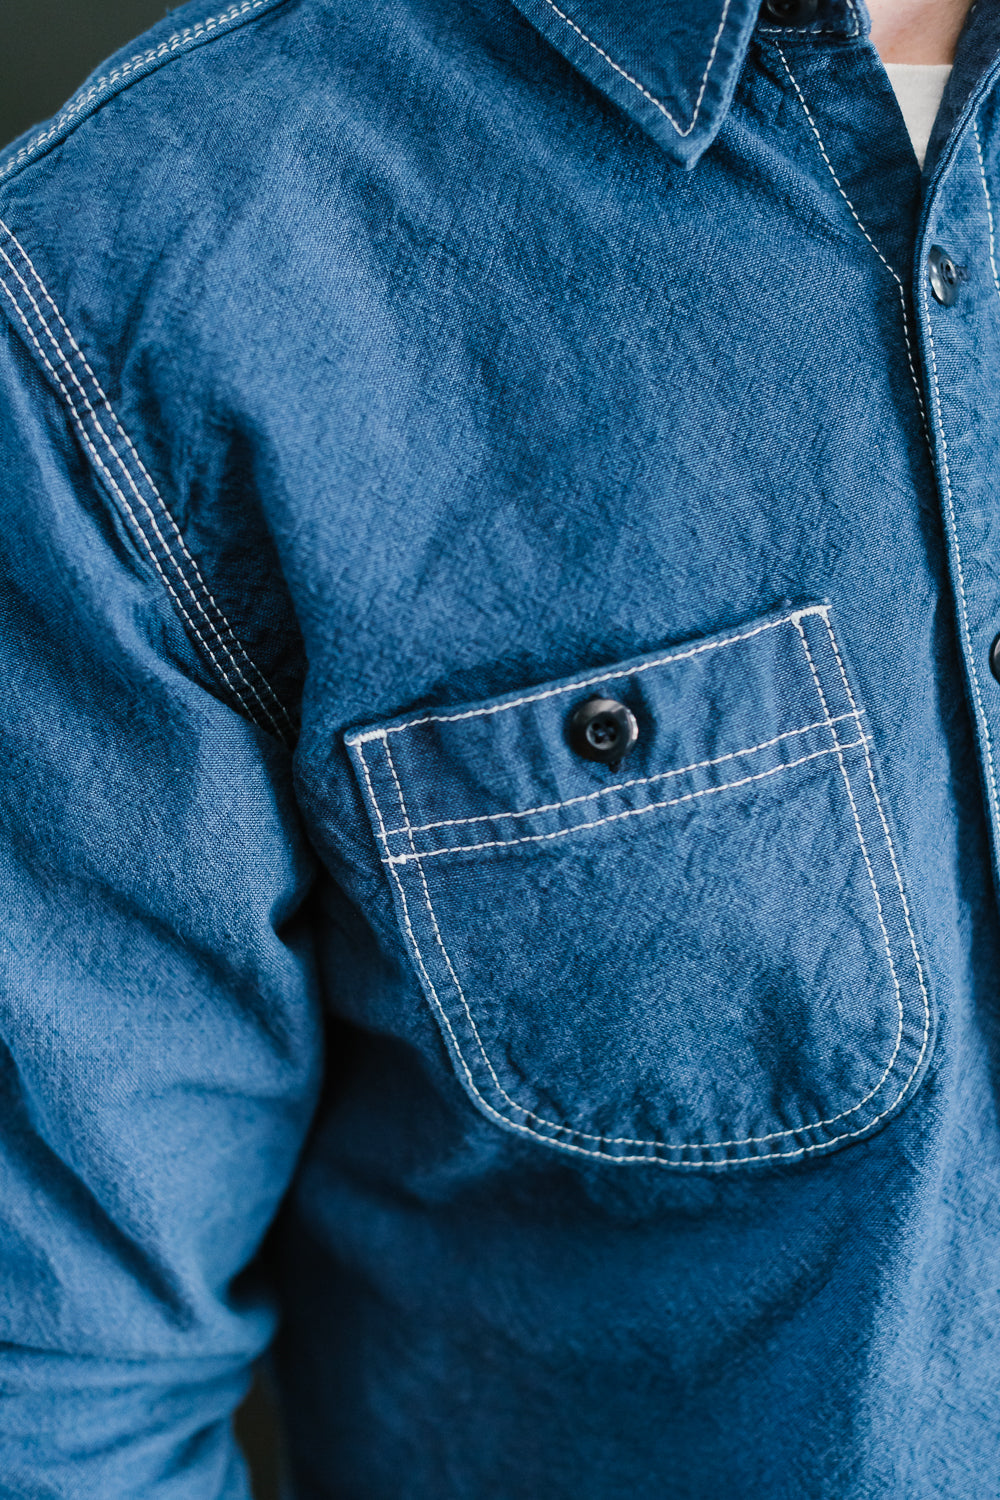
989,204
430,983
817,30
194,599
959,570
487,1108
115,487
632,812
892,855
176,43
581,1134
635,82
198,576
838,749
625,1140
895,276
684,654
440,942
195,629
102,397
867,858
792,31
621,786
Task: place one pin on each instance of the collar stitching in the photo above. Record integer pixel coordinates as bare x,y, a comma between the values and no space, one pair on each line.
681,131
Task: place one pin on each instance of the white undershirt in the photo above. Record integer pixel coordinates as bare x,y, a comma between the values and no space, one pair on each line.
918,88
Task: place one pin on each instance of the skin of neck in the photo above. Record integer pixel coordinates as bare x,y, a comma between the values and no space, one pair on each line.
917,31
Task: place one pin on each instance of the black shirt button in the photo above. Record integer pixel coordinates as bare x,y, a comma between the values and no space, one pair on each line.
602,729
944,276
790,12
995,658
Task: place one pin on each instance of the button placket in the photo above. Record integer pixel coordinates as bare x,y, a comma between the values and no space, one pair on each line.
959,309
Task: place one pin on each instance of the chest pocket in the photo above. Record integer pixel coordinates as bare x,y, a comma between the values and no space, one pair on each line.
701,956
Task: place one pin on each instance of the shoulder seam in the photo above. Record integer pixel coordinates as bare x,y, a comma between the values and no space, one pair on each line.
147,513
129,72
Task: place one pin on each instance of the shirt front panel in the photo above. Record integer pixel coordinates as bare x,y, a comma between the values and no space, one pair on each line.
710,425
520,404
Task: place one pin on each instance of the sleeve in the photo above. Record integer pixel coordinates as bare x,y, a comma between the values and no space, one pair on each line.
159,1027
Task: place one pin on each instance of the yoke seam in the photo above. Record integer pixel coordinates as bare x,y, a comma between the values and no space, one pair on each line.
102,467
274,700
197,631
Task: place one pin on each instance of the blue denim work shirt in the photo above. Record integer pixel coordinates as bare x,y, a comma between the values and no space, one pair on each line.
379,385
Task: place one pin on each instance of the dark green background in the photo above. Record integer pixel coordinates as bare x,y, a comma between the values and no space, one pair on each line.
47,48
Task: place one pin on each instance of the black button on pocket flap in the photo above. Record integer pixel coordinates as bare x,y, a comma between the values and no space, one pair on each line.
698,953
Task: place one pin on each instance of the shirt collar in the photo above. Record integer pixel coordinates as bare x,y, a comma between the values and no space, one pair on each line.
977,63
672,65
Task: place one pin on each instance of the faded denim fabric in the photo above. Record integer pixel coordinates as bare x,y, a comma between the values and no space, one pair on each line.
377,383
